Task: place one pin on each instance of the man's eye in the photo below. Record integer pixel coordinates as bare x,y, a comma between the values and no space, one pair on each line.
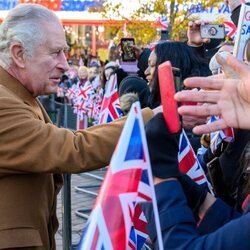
57,52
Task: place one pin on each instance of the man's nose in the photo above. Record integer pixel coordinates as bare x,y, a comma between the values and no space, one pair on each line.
63,63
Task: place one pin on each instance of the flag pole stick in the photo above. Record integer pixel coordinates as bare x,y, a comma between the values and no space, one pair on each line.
151,182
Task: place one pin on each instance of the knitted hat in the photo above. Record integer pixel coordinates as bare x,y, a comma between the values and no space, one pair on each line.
163,148
135,84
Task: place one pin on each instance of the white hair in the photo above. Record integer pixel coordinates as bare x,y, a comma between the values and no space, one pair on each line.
24,25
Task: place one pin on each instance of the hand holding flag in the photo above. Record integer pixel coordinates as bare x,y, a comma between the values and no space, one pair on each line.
128,181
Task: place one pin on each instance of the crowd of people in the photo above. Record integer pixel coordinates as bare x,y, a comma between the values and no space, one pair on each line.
34,152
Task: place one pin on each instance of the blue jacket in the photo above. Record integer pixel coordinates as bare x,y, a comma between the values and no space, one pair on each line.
221,228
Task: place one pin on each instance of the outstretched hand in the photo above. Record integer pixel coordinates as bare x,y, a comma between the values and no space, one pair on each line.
227,98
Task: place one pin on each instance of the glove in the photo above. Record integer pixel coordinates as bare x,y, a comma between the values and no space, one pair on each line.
163,148
195,194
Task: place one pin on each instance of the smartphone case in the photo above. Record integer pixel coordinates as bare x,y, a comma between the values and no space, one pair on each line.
167,91
215,31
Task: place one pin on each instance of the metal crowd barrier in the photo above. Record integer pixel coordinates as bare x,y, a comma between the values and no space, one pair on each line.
62,115
88,189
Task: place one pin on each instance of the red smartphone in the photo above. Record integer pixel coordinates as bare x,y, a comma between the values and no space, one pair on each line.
167,91
128,52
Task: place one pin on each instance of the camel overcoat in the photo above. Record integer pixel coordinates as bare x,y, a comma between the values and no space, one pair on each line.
33,155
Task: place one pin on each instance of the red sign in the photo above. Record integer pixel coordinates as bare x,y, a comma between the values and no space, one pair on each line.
50,4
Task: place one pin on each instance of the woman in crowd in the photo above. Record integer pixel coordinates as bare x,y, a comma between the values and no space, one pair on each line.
185,60
181,57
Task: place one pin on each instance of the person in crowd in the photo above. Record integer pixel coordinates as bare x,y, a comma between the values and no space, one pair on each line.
110,69
82,75
190,217
33,152
63,87
206,48
94,70
72,71
142,55
114,54
132,89
181,57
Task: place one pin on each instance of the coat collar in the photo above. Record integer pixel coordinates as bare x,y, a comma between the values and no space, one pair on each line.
11,83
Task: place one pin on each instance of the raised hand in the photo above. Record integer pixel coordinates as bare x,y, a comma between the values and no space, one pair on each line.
228,98
194,33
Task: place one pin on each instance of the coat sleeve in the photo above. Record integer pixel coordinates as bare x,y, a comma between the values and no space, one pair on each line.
30,145
223,214
179,227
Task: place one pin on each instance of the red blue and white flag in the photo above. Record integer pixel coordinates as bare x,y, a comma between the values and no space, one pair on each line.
82,98
163,22
217,137
188,162
230,29
110,109
128,181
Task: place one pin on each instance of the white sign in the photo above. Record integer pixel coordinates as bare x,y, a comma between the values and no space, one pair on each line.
243,31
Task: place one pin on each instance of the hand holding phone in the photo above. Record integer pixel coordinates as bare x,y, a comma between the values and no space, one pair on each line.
128,51
167,91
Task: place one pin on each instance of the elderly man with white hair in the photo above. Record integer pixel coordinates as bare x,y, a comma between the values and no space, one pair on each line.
33,152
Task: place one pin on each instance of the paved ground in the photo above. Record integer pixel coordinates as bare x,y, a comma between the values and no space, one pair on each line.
79,200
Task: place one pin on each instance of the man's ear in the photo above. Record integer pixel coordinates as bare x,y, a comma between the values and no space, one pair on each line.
17,54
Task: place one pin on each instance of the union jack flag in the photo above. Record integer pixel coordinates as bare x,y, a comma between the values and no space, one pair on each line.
110,109
230,29
82,97
217,137
163,22
188,163
128,181
71,93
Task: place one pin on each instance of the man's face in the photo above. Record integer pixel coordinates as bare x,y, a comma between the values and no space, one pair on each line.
42,72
